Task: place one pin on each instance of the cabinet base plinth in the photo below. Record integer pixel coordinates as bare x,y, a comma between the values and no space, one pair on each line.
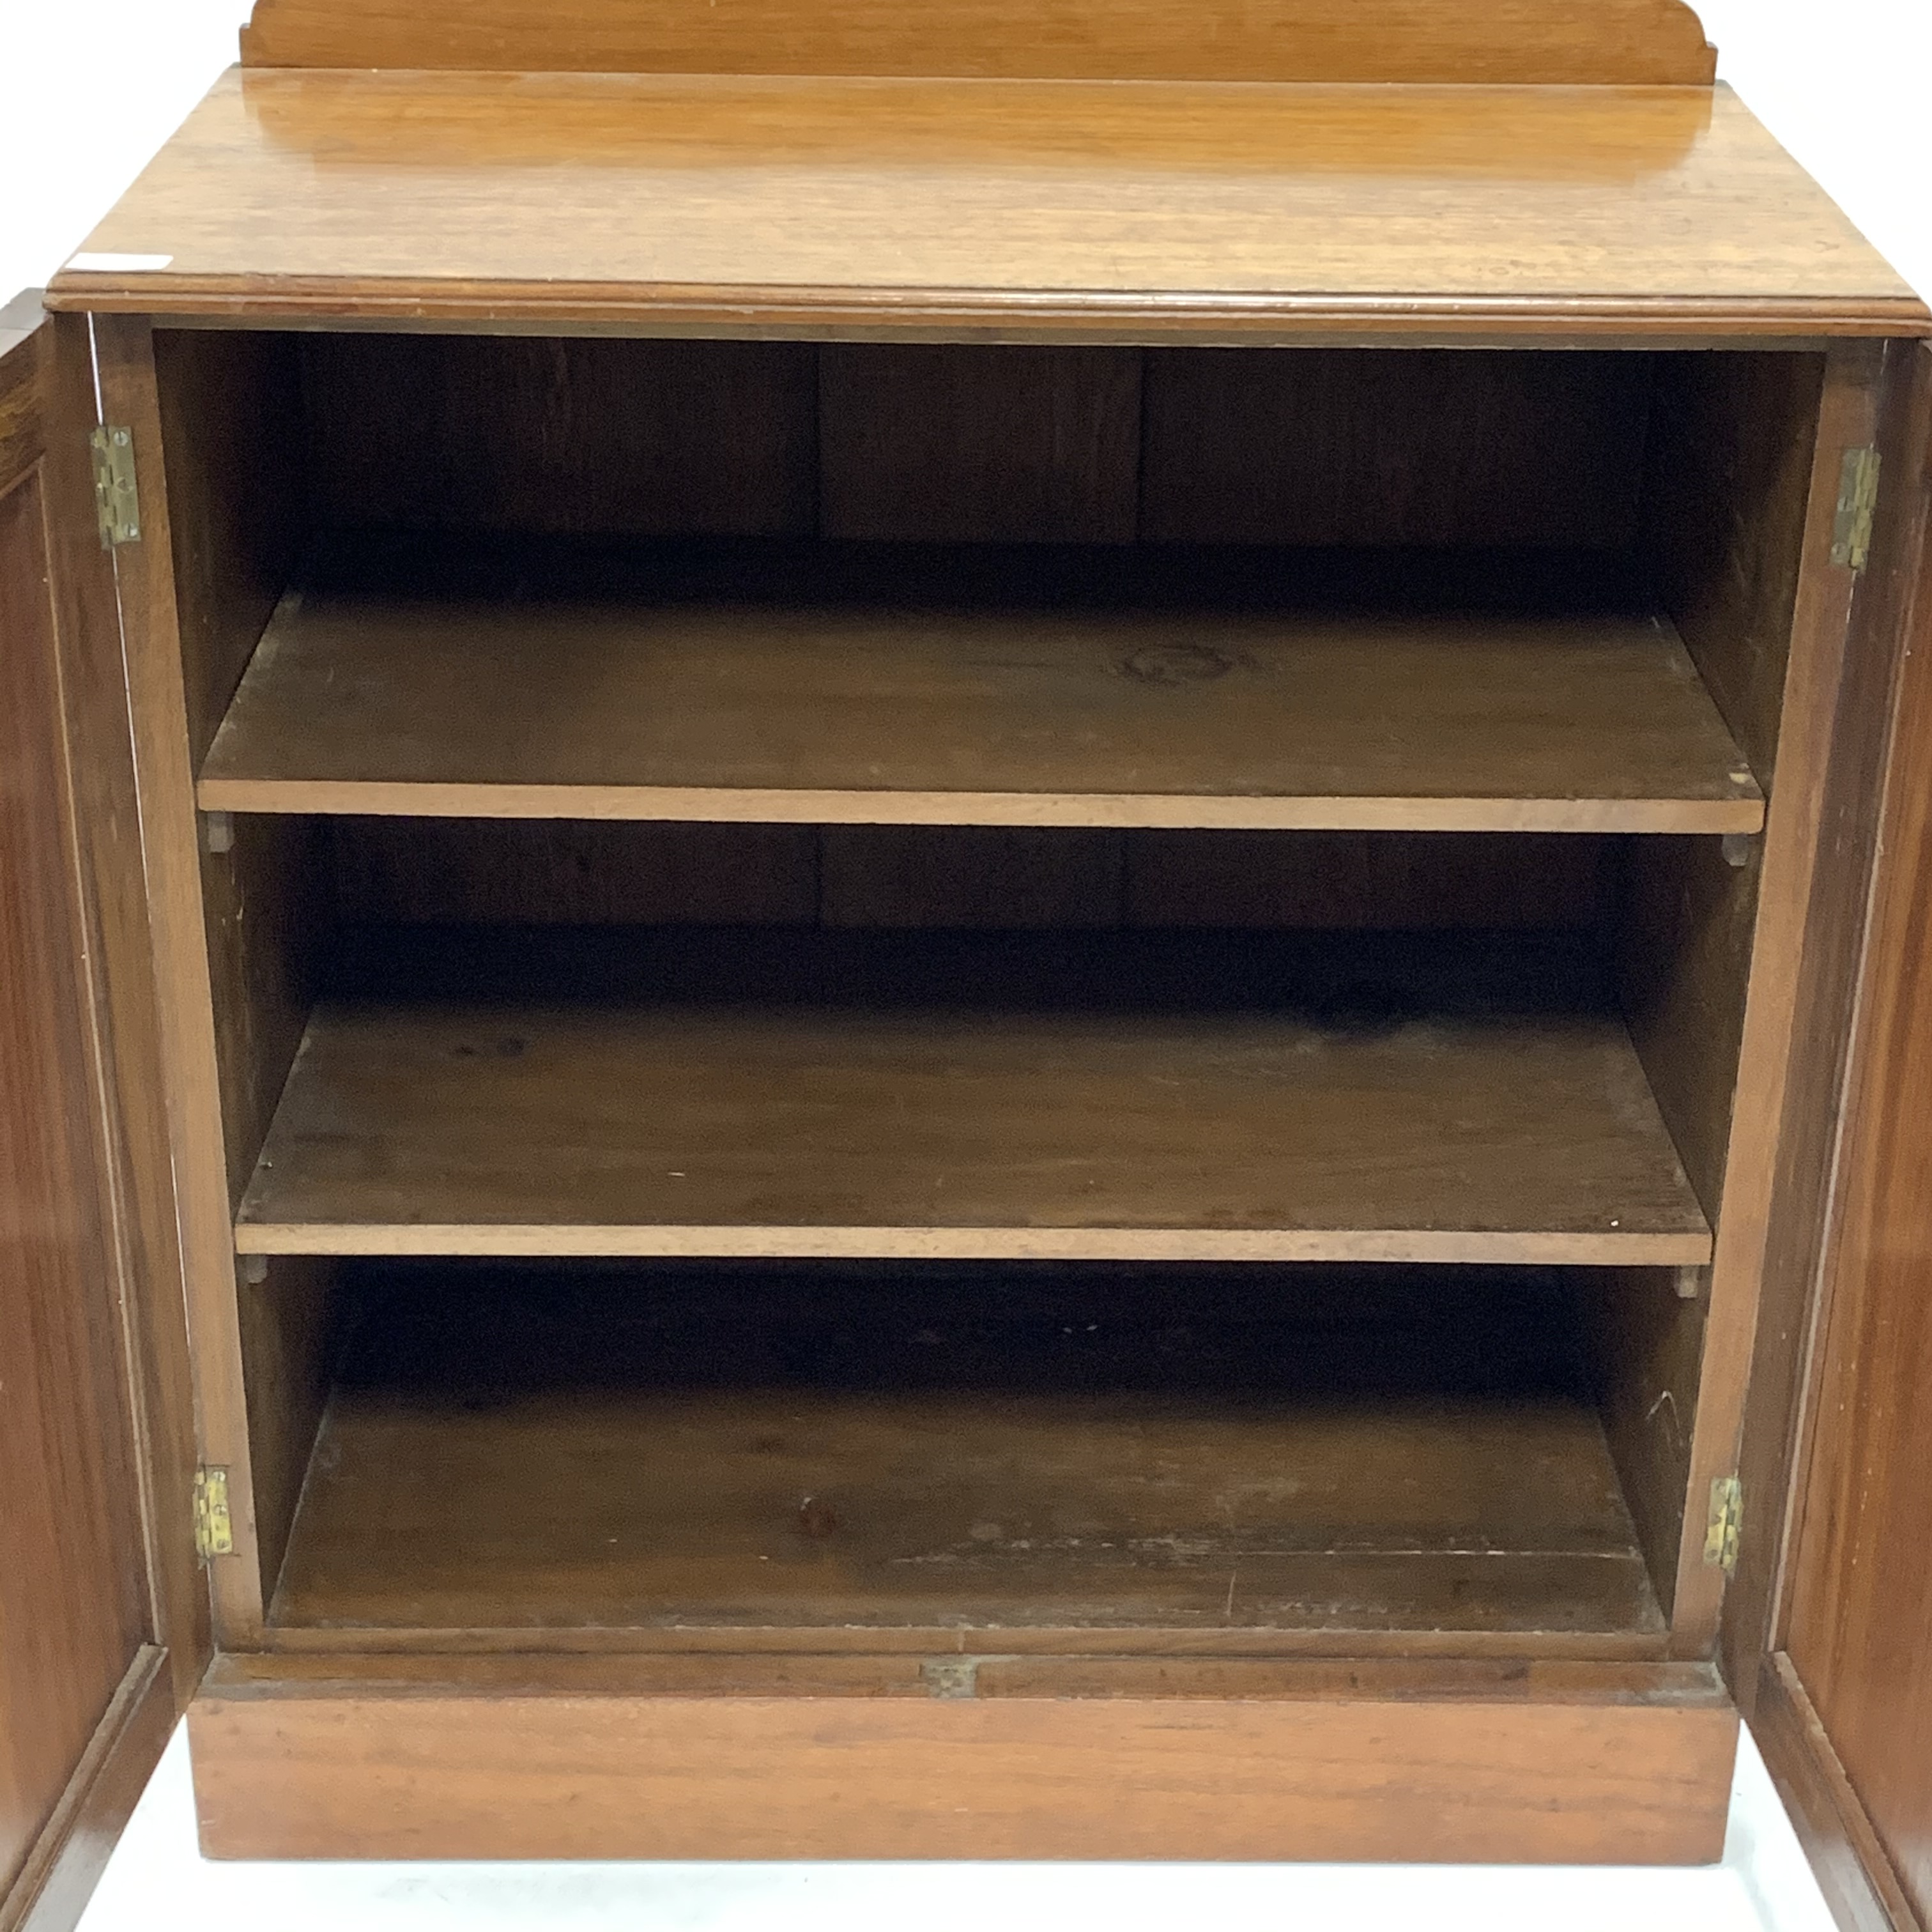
780,1758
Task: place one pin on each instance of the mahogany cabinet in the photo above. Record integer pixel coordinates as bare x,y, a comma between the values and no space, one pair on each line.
929,936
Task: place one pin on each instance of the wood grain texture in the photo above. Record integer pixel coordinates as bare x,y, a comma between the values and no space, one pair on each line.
550,871
1873,768
1552,42
1371,881
1648,1339
230,416
265,918
291,1323
1390,446
97,1570
1158,1096
1774,1100
1641,1643
636,437
124,1097
980,876
1853,1869
962,441
1858,1602
1724,509
185,1029
467,871
73,1592
316,1768
1084,1451
23,402
953,443
1139,210
1684,941
950,687
53,1889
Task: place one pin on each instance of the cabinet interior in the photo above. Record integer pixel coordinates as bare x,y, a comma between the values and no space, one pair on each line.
1080,995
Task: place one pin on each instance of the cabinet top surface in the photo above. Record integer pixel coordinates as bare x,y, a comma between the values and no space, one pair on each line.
1050,208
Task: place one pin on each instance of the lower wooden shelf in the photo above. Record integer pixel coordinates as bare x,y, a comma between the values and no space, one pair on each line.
1097,1453
1094,1096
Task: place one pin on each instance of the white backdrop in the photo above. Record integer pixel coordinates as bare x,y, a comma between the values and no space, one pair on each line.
89,88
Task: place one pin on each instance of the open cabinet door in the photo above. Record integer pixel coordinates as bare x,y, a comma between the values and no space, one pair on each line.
1837,1598
103,1624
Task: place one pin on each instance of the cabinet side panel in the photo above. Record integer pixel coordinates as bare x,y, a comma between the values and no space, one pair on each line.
1683,963
231,427
1730,462
291,1322
1648,1342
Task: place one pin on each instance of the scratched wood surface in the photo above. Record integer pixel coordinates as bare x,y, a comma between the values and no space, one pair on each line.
823,684
1063,1448
742,206
1183,1096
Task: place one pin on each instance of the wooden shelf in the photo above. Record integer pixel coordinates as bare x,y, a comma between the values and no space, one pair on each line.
1099,1457
1079,1096
1014,208
834,684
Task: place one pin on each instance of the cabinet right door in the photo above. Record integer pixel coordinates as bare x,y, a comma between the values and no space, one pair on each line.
1843,1701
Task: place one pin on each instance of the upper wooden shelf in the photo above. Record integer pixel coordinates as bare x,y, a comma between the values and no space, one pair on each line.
1014,208
836,684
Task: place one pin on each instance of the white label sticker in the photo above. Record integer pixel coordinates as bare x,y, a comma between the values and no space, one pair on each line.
116,264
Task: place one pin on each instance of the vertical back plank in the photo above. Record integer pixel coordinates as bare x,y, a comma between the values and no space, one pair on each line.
1361,881
970,875
949,443
562,435
1379,446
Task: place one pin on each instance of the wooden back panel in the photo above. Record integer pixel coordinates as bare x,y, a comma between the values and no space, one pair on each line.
1656,43
967,443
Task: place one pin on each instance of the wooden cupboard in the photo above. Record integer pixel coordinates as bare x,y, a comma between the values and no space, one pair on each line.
1002,931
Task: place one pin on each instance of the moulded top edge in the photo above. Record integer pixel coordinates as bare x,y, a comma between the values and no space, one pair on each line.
1119,208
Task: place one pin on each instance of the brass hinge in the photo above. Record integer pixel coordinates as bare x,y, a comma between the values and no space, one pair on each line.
117,501
1727,1515
214,1532
1858,504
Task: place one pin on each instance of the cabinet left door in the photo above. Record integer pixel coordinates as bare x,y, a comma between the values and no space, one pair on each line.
104,1618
